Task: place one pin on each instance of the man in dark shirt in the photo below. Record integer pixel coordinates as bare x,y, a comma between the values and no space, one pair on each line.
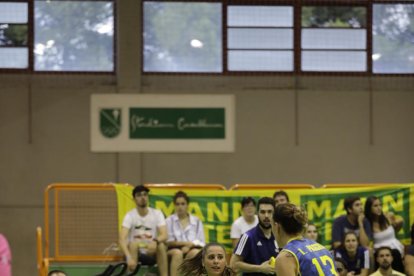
255,247
354,220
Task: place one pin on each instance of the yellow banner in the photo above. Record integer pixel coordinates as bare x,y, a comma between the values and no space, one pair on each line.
218,209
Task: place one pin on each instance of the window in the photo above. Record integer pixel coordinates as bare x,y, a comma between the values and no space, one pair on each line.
73,36
182,37
68,35
14,35
334,39
273,36
260,38
393,38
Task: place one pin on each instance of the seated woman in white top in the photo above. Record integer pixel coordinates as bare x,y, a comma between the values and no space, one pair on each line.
246,221
185,233
384,228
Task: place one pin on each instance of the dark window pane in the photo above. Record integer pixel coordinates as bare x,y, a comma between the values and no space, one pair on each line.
14,58
334,61
334,16
74,36
182,37
260,60
393,38
13,35
334,38
13,12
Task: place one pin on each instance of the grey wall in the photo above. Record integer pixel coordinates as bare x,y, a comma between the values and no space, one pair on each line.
288,130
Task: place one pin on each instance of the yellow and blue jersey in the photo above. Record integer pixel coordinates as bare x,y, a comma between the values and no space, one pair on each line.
312,258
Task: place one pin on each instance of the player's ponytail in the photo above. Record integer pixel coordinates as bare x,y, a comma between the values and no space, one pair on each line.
292,218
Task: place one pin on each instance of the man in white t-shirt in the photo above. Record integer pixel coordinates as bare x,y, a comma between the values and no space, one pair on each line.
144,232
246,221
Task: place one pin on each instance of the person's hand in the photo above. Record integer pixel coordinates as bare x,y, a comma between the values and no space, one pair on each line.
361,218
266,268
352,273
131,263
391,216
235,269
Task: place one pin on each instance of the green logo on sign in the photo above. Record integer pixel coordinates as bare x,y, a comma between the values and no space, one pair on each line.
110,122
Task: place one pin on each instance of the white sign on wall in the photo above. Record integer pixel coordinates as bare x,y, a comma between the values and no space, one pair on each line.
162,123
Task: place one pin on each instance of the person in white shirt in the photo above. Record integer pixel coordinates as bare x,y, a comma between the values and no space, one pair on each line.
185,233
144,232
246,221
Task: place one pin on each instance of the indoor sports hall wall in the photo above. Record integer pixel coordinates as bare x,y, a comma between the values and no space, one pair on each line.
289,129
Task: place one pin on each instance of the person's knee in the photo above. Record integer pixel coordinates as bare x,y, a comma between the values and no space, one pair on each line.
176,254
161,247
192,253
134,245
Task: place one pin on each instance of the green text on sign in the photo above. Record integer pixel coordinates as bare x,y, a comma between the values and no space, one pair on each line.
177,123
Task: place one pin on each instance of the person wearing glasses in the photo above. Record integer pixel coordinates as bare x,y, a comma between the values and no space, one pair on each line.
185,233
144,233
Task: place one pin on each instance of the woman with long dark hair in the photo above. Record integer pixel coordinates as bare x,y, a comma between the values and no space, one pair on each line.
210,261
384,227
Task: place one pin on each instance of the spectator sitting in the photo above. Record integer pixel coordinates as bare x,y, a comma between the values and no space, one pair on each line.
311,232
341,267
280,197
246,221
185,233
356,257
354,220
409,256
384,228
144,232
383,256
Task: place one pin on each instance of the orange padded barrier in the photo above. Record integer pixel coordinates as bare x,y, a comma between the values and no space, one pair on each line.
177,186
271,186
350,185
